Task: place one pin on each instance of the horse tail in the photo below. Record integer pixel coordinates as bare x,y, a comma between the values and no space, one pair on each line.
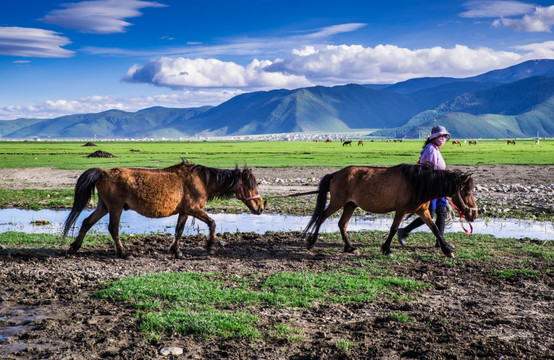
83,192
317,216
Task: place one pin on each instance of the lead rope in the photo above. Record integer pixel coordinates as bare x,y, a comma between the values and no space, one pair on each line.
462,216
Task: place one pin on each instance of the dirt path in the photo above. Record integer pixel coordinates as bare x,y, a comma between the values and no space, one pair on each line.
48,178
47,309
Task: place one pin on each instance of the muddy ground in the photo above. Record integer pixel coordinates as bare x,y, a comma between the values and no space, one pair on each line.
47,310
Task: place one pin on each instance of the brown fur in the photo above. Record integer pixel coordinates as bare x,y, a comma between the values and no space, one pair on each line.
404,188
180,189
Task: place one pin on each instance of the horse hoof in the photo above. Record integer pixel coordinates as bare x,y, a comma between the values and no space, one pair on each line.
351,250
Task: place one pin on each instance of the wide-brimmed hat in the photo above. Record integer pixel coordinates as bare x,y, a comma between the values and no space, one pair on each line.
439,131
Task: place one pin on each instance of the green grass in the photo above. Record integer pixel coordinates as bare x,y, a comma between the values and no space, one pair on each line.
345,346
207,304
507,273
12,239
225,154
34,199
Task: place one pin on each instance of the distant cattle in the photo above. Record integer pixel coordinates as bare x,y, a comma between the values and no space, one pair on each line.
314,140
361,142
473,142
456,142
508,142
329,140
347,142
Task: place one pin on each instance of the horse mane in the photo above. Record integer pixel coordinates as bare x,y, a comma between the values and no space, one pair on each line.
428,183
221,183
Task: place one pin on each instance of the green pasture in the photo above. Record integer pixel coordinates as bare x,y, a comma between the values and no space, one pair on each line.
226,154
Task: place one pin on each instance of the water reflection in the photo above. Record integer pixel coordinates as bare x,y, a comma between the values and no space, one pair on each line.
133,223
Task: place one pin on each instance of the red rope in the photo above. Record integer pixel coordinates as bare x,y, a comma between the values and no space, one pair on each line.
462,216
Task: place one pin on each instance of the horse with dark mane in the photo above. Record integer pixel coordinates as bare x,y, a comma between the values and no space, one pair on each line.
180,189
404,188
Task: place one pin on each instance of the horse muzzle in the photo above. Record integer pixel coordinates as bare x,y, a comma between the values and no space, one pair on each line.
471,215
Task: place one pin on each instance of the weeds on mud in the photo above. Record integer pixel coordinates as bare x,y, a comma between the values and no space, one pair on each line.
205,304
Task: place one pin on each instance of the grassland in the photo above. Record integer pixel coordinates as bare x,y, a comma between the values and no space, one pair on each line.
225,154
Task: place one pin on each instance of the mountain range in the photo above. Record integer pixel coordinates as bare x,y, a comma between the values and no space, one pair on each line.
514,102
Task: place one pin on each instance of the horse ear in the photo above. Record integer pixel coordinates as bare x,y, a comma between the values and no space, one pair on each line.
466,178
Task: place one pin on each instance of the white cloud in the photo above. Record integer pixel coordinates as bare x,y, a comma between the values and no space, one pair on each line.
541,20
98,16
543,50
31,42
180,73
94,104
390,63
534,18
495,8
331,65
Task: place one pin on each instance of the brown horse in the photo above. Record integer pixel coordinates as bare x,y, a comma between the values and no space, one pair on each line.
360,142
473,142
456,142
404,188
180,189
508,142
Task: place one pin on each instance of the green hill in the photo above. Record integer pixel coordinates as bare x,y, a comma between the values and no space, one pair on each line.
512,102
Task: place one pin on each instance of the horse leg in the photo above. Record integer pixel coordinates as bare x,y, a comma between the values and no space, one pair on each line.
174,248
331,209
385,248
347,212
98,214
202,216
445,247
113,228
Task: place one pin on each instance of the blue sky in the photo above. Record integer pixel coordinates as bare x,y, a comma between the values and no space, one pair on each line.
62,57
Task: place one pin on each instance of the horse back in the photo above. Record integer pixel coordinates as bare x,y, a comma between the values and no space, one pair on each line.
374,189
150,192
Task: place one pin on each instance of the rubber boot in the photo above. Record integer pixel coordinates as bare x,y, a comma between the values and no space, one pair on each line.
440,221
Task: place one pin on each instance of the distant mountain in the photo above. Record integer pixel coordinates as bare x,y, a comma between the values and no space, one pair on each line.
517,72
338,108
107,124
518,109
514,102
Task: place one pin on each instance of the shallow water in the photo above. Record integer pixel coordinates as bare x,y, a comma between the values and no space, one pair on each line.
133,223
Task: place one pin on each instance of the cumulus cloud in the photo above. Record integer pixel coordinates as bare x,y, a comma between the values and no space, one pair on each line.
98,16
94,104
390,63
181,73
331,65
541,20
31,42
543,50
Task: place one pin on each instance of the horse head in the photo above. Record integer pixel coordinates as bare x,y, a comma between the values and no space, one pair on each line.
463,199
247,192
